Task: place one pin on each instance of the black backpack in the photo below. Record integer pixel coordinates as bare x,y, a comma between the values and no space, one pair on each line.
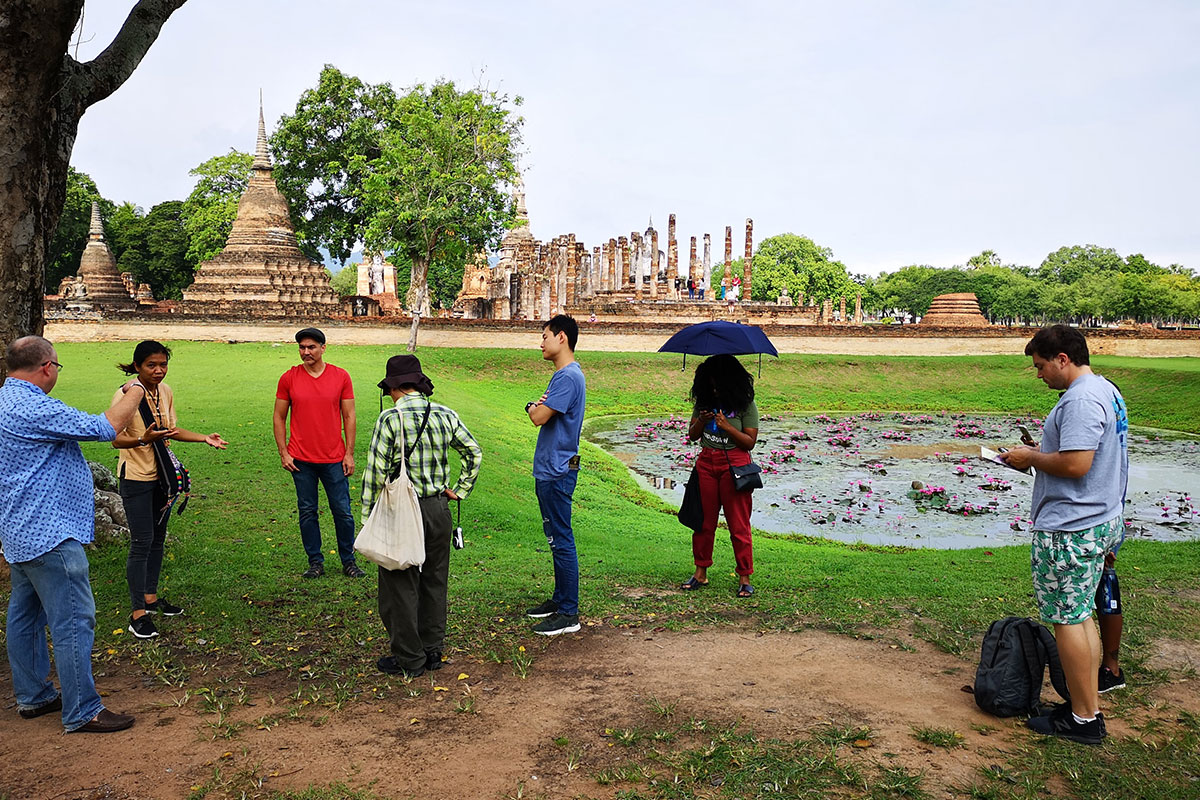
1012,664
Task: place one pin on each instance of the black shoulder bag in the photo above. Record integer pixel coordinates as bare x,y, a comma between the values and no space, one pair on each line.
173,476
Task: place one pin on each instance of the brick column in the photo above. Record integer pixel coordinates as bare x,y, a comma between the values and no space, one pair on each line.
654,265
727,273
638,246
749,260
672,259
692,262
706,274
614,281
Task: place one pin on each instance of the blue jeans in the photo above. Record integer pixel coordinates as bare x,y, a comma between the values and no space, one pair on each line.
337,491
53,590
554,499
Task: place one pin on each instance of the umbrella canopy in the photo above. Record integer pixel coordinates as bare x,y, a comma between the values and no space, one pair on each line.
719,336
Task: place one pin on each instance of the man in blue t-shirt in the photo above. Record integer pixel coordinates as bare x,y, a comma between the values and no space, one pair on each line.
1078,495
559,414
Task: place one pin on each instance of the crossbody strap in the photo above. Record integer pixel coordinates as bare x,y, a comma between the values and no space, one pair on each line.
408,450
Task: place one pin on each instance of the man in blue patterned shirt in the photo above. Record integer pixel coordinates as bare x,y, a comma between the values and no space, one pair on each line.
47,515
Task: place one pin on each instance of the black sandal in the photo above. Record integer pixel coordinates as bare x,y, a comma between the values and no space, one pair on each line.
691,584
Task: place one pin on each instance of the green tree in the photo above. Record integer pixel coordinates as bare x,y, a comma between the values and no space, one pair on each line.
118,224
209,211
323,153
1068,264
157,251
801,265
44,92
345,281
437,191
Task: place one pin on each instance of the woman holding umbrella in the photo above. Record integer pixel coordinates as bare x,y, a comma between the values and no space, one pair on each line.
725,420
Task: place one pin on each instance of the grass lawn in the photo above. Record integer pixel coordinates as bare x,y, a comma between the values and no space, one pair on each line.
234,558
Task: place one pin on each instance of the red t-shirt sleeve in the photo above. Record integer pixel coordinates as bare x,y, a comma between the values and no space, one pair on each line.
347,386
284,390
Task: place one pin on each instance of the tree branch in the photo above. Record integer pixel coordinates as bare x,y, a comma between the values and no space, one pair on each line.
107,71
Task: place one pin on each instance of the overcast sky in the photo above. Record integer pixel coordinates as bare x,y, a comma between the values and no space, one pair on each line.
893,133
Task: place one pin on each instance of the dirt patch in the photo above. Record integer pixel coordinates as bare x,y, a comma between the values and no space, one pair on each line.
1175,655
578,689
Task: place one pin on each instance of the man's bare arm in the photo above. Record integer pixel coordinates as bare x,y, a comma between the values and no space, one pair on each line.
121,412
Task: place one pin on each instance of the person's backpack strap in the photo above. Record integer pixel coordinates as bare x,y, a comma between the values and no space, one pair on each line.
1032,648
1057,677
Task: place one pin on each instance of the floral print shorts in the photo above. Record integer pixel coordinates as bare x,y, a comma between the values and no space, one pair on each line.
1067,567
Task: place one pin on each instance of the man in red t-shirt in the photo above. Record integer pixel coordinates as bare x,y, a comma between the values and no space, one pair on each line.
320,448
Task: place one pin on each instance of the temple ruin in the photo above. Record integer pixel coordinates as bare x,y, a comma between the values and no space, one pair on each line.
98,285
627,278
959,310
261,272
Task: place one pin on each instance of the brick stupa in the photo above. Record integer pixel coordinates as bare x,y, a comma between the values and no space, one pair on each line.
261,272
959,310
103,286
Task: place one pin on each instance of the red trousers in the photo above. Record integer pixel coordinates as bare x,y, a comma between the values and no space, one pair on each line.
717,492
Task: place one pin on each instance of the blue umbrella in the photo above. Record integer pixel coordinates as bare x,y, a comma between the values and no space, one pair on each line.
717,337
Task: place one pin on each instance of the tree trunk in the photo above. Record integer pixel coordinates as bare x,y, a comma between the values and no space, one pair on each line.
418,296
43,94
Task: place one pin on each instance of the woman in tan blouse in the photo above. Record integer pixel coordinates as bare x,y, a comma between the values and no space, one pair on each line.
147,505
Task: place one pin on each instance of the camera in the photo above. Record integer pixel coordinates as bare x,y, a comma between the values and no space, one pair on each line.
457,539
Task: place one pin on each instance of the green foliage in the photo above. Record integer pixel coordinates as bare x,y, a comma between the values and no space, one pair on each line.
802,266
345,281
323,153
209,211
437,189
1086,285
156,247
419,175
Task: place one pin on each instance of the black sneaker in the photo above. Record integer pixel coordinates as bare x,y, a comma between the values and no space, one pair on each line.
557,623
315,570
353,570
161,606
542,610
433,661
389,665
142,627
1108,681
1061,722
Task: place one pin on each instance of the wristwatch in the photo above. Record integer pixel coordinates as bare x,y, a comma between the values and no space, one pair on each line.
141,443
530,405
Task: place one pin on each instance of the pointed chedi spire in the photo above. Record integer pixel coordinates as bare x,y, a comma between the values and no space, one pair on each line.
262,158
96,231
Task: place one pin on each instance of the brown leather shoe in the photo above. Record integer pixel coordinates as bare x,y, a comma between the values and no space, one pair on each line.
106,722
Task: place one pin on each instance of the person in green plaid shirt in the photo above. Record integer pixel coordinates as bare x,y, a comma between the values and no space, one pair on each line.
412,602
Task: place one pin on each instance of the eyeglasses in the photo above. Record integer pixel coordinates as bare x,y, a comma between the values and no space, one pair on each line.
55,363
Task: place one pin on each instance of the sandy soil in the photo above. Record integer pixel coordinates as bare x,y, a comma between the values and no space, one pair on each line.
776,684
590,339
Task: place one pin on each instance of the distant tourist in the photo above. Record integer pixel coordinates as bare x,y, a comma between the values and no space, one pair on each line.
320,447
49,513
725,420
412,602
559,414
701,286
147,480
691,284
1078,497
723,290
737,289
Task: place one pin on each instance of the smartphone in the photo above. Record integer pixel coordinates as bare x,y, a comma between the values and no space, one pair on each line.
1025,437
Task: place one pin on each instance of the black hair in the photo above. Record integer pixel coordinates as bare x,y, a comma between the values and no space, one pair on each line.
1049,342
143,351
564,324
723,382
28,352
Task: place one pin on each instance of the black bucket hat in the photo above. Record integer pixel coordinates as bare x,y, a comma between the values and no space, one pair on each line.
403,370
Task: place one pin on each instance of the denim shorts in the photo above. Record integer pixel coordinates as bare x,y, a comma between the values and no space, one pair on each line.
1067,567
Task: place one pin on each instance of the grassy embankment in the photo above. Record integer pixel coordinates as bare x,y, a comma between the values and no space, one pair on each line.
234,558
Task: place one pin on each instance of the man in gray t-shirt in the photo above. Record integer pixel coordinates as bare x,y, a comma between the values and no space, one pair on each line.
1082,470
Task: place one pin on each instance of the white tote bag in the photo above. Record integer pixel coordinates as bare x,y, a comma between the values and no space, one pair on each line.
394,534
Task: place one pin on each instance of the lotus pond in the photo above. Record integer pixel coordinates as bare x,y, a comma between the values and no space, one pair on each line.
906,479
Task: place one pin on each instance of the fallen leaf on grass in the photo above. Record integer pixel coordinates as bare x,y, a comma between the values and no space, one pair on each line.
413,721
462,676
863,744
440,689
